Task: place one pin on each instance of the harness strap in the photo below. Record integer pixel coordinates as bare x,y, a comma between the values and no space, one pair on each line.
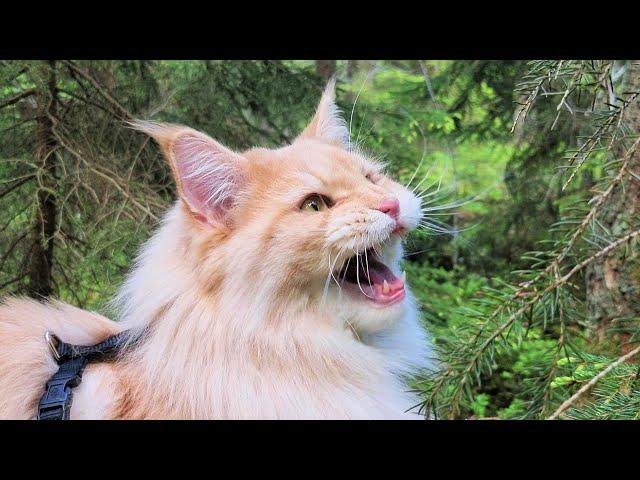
55,404
111,345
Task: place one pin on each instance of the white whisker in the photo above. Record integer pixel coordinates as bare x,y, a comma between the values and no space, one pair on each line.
424,150
366,257
456,204
325,290
358,276
373,247
439,182
333,268
345,269
353,109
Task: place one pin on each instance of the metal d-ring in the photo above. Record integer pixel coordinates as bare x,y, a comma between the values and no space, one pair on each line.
52,342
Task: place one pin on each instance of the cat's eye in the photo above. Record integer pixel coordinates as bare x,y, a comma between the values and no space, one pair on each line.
370,177
315,203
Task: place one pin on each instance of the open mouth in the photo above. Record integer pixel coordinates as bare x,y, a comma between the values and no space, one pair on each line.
365,275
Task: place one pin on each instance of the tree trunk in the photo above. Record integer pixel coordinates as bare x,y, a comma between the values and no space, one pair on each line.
613,282
326,68
41,255
351,68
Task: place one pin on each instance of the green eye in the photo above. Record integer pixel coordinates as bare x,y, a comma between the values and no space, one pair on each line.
314,203
372,177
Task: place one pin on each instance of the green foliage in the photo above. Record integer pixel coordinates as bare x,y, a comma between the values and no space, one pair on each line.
521,334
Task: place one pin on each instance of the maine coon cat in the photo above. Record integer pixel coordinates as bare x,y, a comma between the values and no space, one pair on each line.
271,290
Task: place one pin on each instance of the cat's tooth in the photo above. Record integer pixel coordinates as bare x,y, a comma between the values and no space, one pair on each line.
385,287
404,276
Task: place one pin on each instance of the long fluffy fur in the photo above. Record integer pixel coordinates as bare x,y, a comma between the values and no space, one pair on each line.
236,312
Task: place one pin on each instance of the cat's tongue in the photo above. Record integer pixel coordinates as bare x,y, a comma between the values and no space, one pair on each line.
375,280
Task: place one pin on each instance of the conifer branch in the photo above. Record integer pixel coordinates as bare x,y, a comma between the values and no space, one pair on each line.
587,386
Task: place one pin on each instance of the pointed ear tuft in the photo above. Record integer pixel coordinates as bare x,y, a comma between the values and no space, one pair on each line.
208,175
327,123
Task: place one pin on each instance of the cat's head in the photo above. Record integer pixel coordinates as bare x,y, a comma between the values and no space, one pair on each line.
316,220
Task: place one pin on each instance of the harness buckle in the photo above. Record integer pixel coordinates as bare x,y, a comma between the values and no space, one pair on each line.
52,342
55,402
52,410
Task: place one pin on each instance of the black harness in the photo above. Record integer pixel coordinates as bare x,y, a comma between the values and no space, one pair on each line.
72,359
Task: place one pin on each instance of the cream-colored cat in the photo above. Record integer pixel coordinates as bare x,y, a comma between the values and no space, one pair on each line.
271,290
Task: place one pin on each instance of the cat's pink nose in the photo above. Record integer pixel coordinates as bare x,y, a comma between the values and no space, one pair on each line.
390,206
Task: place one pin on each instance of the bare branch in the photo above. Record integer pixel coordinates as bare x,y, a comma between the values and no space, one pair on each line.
13,280
101,90
17,97
17,183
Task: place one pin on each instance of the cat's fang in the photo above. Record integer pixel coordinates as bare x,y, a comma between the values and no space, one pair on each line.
372,281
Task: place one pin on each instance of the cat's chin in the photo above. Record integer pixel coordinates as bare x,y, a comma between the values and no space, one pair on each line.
367,316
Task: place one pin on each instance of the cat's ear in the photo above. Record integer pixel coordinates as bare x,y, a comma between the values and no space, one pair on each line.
327,123
208,175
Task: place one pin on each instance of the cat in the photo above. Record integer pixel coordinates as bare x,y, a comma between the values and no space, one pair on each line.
271,290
